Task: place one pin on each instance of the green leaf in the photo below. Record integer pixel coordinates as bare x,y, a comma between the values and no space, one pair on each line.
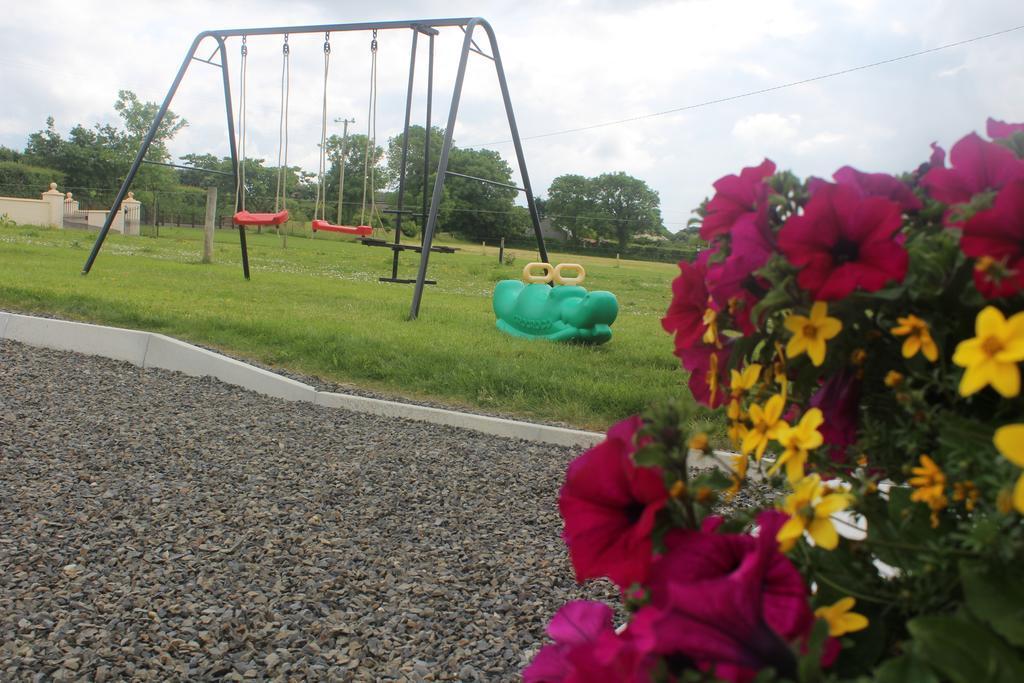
651,455
963,651
809,667
996,598
905,669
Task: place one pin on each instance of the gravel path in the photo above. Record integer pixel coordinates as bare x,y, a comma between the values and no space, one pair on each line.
155,526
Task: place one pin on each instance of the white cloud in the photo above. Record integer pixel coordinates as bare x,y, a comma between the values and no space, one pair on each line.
817,141
767,128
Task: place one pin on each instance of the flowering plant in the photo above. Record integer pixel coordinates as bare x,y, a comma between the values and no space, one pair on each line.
863,338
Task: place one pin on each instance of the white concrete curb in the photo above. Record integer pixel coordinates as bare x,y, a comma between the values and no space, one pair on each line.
151,350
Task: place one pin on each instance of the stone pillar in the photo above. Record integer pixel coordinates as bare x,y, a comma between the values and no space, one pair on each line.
131,213
208,225
55,202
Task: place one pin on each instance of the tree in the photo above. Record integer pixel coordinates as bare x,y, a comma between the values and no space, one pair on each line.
477,210
414,163
95,160
628,205
612,205
571,207
138,117
355,155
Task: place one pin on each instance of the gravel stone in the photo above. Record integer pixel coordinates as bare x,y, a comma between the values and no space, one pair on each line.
155,526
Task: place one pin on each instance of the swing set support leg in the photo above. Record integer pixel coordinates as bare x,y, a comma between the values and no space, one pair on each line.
442,163
405,154
226,78
146,142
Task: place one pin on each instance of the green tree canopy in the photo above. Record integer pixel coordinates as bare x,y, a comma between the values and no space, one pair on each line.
414,164
477,210
95,160
571,206
612,205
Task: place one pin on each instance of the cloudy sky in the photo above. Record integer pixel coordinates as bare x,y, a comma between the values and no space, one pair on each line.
570,64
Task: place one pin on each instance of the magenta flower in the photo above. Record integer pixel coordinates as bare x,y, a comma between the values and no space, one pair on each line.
1001,129
938,157
586,649
726,601
996,238
978,165
843,241
751,247
734,197
609,505
709,373
839,401
685,315
878,185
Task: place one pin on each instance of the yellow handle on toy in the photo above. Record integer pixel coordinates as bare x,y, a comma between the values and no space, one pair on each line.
549,273
575,280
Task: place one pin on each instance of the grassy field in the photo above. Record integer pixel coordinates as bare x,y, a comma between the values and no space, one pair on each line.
315,307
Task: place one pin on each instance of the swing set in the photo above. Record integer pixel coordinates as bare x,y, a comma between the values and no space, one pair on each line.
428,214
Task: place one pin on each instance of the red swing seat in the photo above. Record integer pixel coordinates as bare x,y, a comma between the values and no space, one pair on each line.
243,218
346,229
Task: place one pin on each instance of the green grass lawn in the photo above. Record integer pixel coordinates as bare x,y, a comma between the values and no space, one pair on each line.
316,307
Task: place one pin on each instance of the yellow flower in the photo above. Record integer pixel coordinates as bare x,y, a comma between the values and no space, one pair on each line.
930,485
699,442
967,493
811,333
840,619
991,356
893,379
918,338
797,441
765,423
810,508
737,432
712,379
678,489
711,320
858,356
739,474
1009,441
741,382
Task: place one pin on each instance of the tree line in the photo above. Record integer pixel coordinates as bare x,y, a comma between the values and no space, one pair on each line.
612,207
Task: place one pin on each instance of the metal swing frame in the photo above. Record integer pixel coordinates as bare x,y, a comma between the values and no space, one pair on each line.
425,26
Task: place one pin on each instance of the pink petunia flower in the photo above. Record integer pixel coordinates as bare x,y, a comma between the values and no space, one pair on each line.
709,373
996,238
729,602
685,315
752,245
844,241
586,649
608,506
734,197
978,165
878,185
839,401
1000,129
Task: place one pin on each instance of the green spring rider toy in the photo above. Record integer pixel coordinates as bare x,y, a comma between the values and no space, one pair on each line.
565,312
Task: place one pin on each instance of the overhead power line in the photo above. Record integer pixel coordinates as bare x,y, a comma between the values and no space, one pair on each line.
760,91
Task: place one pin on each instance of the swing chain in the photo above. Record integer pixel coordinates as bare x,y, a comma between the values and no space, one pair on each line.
327,43
373,43
245,48
284,48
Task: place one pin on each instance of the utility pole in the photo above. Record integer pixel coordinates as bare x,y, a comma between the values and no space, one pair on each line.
341,173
